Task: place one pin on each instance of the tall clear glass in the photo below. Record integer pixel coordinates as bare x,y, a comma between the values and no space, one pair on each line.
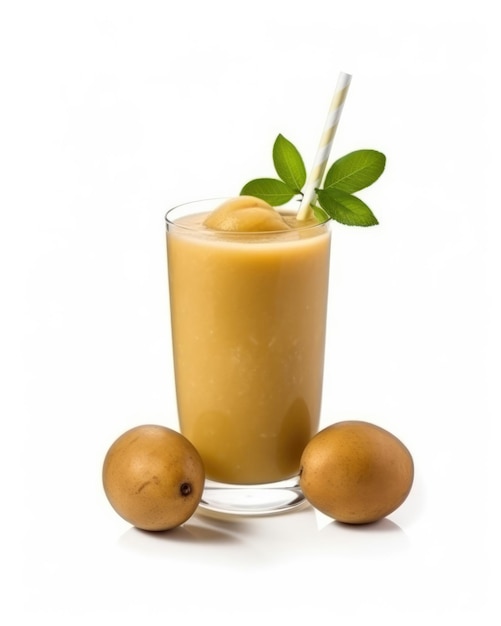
248,315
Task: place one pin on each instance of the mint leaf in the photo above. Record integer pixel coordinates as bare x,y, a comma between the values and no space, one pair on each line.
345,208
355,171
336,201
289,164
271,190
320,214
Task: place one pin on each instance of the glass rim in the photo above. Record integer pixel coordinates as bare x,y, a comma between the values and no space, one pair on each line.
169,221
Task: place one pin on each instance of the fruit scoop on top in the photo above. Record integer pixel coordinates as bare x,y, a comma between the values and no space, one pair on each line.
245,214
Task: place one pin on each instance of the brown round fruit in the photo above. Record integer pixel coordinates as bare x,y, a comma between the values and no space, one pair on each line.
153,477
356,472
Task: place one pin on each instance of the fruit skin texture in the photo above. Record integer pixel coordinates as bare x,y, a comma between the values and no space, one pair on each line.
356,472
153,477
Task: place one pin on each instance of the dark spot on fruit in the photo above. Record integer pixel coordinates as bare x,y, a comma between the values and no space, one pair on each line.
142,486
185,489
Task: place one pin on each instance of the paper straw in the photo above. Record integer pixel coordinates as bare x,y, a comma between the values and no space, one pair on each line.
325,145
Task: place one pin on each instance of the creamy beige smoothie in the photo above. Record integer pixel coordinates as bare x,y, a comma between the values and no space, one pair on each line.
248,314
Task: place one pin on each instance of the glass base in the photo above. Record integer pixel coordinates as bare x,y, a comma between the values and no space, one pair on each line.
221,499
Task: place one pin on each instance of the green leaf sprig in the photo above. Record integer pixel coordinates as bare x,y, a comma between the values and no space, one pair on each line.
349,174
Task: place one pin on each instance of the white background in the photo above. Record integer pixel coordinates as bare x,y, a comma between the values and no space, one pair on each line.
111,112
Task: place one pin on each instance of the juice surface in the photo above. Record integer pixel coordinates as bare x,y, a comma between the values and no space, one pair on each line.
248,320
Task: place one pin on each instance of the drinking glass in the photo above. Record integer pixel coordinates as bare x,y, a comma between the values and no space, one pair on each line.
248,318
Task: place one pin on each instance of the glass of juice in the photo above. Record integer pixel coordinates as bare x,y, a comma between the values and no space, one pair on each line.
248,316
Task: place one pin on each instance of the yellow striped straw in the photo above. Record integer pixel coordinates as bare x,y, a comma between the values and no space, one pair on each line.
325,145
